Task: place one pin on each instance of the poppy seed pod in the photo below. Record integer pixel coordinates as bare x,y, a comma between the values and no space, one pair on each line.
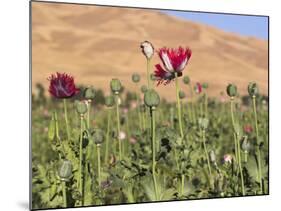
136,78
181,94
151,98
90,93
115,86
231,90
203,123
109,101
65,170
143,88
81,107
253,89
98,136
186,80
205,85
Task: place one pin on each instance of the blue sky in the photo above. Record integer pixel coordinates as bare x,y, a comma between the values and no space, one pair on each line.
242,24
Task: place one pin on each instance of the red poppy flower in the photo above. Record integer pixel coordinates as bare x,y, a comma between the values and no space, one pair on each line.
248,128
62,85
174,61
198,88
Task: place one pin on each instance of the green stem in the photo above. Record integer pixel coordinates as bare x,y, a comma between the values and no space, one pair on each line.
64,194
153,151
81,158
139,111
118,127
107,136
206,152
206,104
240,166
234,126
192,104
89,113
182,185
66,119
99,166
179,106
258,147
148,72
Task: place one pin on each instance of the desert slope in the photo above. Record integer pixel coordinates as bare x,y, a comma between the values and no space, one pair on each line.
96,44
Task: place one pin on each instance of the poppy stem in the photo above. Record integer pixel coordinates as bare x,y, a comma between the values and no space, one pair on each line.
64,194
179,106
99,166
80,159
118,126
182,185
89,113
234,126
107,136
258,147
192,103
240,167
148,61
152,114
66,119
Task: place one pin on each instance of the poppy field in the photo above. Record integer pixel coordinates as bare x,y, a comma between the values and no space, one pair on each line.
89,149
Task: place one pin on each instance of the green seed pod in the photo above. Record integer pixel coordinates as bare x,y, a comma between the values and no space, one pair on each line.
203,123
231,90
212,156
52,128
115,86
81,107
253,89
65,170
245,144
181,94
143,88
90,93
136,78
98,136
186,80
205,85
151,98
109,101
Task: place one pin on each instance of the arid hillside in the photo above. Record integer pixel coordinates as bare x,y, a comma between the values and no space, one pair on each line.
95,44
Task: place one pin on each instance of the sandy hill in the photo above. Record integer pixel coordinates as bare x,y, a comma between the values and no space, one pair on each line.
96,44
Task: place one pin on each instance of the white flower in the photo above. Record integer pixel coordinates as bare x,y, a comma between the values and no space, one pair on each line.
147,49
122,135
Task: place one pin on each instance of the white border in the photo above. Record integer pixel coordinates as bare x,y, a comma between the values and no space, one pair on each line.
14,60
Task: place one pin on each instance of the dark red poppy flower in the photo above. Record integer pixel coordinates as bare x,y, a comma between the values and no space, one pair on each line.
198,88
248,128
62,85
174,61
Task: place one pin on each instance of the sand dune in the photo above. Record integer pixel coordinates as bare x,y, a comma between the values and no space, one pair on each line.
96,43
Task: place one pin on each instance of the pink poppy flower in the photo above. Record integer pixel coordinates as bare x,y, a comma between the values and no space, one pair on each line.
174,61
62,85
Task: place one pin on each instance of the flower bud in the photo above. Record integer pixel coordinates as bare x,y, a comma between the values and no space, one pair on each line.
253,89
203,123
109,101
151,98
98,136
212,156
231,90
245,144
115,86
205,85
186,80
65,170
147,49
135,78
90,93
143,88
181,94
81,107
